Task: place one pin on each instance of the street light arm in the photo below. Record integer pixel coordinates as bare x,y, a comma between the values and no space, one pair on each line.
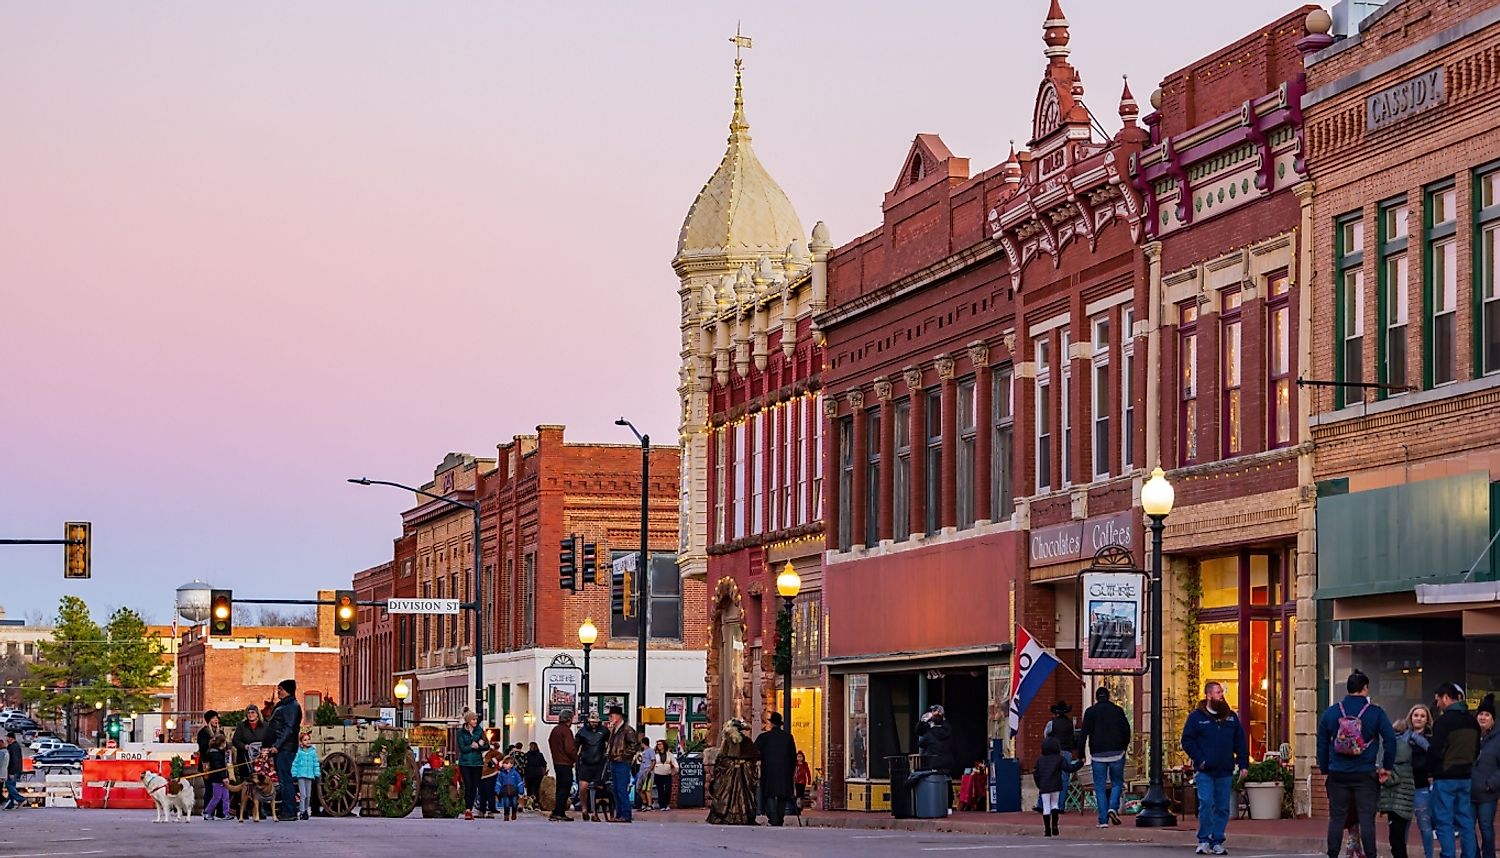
366,481
638,436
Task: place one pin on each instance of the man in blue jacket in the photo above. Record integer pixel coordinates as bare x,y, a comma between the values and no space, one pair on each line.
1351,734
1214,739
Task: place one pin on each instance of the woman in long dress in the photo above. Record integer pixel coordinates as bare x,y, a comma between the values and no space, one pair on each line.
733,787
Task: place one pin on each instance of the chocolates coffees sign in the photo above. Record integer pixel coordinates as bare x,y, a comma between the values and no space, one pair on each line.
1079,540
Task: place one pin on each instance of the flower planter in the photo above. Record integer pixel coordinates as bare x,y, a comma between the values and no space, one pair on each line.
1265,800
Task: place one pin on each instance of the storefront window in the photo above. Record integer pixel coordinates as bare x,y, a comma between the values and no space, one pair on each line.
1221,582
859,726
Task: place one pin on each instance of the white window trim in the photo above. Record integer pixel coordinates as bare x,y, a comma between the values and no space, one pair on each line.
1100,360
1065,411
1043,481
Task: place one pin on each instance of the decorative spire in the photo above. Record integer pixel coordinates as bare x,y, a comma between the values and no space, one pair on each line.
1055,34
1129,110
738,125
1011,169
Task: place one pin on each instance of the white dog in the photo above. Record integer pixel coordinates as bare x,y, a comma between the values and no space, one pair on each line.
171,797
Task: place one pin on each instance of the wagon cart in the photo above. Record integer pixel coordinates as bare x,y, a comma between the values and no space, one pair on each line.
367,767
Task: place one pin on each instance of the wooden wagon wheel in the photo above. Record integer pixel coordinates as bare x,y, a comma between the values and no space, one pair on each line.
339,785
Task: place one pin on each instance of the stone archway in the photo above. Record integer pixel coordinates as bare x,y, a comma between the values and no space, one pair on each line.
727,654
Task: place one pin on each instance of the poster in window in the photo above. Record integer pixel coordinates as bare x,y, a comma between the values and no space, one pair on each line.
676,707
1224,652
1113,628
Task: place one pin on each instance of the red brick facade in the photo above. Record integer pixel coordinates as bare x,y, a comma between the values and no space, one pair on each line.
367,660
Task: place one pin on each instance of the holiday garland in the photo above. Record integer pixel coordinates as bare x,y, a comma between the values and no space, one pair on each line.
395,789
450,792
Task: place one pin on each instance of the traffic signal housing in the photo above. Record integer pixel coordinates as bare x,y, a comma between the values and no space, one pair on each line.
113,727
567,564
221,613
619,589
345,614
590,562
77,550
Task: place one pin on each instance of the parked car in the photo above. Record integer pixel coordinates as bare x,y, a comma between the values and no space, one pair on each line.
22,724
42,746
61,755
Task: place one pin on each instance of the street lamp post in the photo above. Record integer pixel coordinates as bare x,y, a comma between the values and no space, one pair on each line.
587,634
401,692
478,604
1156,499
642,571
788,584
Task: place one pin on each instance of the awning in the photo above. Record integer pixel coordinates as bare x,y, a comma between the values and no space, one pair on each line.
921,658
1456,594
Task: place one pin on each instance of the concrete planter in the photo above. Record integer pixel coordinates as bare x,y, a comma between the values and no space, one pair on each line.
1265,800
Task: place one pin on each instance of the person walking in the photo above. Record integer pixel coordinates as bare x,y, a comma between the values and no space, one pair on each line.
1214,739
1450,757
593,758
1106,737
8,746
509,788
215,764
663,774
1047,773
801,780
307,769
645,761
17,765
564,750
732,789
286,728
533,771
472,744
1347,749
622,748
778,762
1484,785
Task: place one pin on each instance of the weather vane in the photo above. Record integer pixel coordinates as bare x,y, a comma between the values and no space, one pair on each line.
740,41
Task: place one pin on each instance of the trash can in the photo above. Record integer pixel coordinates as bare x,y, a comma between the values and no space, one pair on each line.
930,793
900,770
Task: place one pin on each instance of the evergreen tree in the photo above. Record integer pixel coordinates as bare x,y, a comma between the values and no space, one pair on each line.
68,666
135,666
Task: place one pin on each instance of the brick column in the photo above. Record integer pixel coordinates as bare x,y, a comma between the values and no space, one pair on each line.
984,428
883,390
949,508
912,375
861,460
831,456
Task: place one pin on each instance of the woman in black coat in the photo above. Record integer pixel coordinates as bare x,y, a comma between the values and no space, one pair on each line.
534,772
251,731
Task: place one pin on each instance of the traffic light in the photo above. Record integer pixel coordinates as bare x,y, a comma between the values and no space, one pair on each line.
113,727
76,551
590,567
345,614
221,613
619,590
567,564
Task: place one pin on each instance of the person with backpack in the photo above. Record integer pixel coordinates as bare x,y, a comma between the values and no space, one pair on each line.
1351,735
1450,758
1214,739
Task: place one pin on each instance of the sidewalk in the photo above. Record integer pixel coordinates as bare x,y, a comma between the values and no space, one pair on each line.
1276,835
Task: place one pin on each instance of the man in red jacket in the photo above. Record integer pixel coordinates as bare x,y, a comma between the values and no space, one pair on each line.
564,755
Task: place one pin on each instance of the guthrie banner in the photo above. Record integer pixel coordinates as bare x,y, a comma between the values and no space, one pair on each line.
1113,611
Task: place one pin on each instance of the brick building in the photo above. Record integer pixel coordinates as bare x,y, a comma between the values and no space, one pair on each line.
367,660
751,493
1404,149
544,491
228,673
1227,208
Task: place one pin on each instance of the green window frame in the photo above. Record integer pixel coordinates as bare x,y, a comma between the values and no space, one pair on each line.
1485,326
1348,334
1439,331
1392,296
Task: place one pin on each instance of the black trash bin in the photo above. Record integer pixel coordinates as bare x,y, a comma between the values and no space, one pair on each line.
900,769
930,791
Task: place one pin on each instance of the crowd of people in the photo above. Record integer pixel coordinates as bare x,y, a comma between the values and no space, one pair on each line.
615,767
274,744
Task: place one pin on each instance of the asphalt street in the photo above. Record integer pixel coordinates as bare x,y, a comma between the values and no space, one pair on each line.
66,833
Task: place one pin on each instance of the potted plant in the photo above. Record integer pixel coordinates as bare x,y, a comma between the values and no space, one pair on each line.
1266,783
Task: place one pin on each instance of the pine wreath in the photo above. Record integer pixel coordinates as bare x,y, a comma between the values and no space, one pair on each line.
450,792
395,792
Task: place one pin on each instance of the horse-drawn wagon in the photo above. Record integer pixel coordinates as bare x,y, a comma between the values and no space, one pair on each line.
367,767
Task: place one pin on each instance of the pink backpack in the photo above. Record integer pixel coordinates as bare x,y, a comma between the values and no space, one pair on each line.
1349,740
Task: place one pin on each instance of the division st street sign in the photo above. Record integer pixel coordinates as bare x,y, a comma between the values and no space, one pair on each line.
422,606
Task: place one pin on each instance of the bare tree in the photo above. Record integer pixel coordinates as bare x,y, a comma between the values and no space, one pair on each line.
37,619
272,616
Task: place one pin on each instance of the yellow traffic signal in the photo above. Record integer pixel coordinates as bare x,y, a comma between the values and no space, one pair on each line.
221,613
77,550
345,613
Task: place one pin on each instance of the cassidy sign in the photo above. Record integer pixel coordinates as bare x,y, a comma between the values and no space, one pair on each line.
1076,540
1404,100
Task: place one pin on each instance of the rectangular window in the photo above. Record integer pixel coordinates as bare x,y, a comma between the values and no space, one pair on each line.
1486,254
528,602
721,481
1440,285
1065,406
967,434
1230,330
846,483
901,476
1278,361
1395,293
872,478
757,472
737,455
1349,309
1043,415
1187,385
1127,390
791,432
817,474
1004,424
799,458
933,491
773,458
1100,397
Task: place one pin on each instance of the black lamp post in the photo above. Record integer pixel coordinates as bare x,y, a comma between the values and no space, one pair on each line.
401,692
642,571
788,584
587,634
1156,499
478,604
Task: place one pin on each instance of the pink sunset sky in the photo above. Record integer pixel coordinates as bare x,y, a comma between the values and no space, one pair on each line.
248,250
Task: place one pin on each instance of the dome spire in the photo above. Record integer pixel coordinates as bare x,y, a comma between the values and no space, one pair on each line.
738,125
